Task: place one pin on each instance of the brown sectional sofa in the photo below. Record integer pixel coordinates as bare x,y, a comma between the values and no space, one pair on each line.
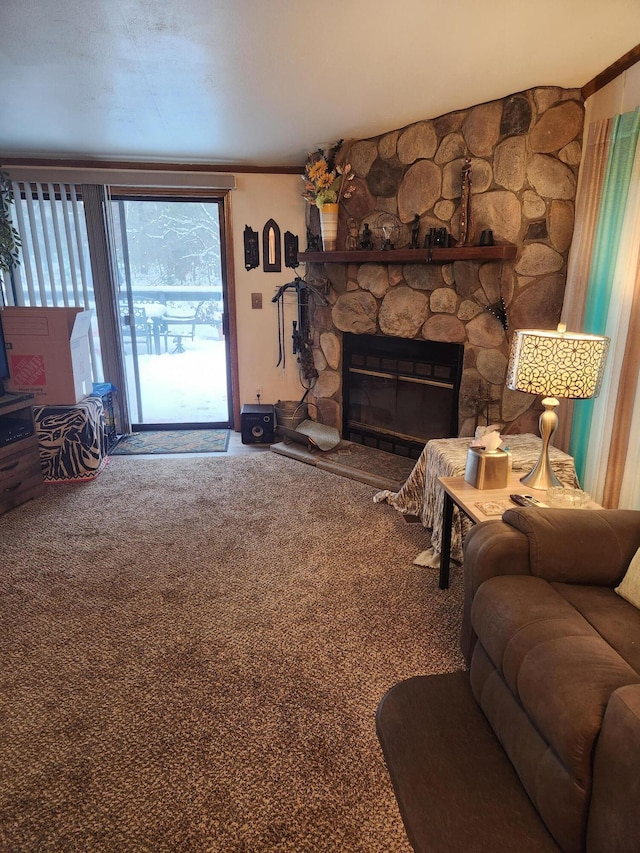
554,658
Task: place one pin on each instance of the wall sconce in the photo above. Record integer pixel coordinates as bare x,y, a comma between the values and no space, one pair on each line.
556,364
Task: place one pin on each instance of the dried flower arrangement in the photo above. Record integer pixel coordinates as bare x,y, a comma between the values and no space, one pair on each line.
327,182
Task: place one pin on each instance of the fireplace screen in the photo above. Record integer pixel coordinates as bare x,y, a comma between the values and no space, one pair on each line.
399,394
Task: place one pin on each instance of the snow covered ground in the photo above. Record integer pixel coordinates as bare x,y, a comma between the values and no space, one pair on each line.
181,387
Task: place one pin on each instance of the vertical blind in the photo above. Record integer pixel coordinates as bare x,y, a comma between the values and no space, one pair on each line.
54,269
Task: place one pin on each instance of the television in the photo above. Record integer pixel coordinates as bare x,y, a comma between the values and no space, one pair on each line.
4,361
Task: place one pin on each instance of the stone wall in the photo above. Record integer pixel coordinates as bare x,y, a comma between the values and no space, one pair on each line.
525,152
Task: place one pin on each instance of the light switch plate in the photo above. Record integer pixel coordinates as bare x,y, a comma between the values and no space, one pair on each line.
256,300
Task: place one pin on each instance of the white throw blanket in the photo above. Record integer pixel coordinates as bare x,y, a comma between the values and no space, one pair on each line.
447,457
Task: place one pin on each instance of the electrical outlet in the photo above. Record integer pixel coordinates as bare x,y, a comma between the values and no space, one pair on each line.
258,393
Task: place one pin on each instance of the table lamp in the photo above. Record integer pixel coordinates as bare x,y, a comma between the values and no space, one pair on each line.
556,364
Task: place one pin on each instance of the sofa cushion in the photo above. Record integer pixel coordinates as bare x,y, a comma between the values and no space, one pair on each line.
564,685
555,663
513,614
629,587
610,615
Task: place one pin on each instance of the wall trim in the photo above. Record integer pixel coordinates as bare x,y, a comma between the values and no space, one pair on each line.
147,166
614,70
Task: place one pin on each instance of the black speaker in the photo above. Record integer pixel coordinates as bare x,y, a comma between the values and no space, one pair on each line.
257,424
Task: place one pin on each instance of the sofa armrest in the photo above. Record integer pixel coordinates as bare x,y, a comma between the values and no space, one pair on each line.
490,548
579,546
561,545
614,816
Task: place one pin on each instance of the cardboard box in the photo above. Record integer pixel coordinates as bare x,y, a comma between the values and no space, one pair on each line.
48,353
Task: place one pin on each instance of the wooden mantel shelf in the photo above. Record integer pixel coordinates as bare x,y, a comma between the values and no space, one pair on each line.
438,255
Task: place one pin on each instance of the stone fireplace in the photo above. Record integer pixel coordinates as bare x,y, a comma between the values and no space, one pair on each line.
525,152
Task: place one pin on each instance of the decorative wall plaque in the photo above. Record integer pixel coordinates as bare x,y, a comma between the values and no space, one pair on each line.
290,250
271,249
251,249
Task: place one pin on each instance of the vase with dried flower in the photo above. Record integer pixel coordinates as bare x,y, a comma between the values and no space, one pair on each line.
326,184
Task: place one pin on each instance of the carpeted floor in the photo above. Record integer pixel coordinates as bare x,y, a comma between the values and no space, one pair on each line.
173,441
193,650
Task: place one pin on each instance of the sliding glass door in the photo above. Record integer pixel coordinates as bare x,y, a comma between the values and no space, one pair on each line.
172,304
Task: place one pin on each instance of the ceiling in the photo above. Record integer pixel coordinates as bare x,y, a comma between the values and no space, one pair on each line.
262,82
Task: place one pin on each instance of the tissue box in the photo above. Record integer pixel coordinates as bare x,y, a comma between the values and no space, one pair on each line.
487,469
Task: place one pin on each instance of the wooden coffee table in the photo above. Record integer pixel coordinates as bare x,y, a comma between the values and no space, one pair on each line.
479,505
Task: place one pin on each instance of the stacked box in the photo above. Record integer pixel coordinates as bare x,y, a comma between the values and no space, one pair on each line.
71,440
48,353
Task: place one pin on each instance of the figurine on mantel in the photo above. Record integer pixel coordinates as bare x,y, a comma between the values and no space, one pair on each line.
415,233
313,241
351,242
366,240
437,237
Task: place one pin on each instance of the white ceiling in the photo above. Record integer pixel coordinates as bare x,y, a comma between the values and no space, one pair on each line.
261,82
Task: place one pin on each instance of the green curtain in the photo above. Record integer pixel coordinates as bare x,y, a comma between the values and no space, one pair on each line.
615,190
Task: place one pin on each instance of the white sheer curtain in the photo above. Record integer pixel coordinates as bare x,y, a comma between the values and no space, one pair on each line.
630,486
603,296
610,405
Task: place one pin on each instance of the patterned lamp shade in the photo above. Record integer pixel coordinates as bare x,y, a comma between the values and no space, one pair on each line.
557,364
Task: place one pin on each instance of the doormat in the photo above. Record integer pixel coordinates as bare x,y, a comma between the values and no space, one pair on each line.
173,441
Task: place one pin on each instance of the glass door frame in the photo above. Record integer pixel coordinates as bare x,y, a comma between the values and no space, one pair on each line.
229,326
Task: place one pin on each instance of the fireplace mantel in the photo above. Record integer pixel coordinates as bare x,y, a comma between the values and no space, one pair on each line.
437,255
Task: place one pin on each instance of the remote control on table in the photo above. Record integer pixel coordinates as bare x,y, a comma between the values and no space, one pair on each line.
526,500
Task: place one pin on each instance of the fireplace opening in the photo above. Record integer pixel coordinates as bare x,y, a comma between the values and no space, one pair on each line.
399,393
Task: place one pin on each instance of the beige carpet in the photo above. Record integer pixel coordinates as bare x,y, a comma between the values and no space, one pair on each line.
193,650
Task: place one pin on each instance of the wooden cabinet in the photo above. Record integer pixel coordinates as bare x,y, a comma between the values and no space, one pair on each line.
20,471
